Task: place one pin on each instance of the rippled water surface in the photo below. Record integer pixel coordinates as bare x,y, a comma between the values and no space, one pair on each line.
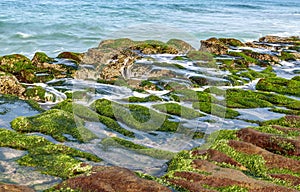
76,25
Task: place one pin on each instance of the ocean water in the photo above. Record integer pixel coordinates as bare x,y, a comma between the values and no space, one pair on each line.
51,26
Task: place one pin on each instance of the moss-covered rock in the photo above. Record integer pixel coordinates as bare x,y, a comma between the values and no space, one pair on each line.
154,47
89,115
56,160
41,57
279,85
178,110
76,57
215,109
237,98
36,93
118,142
232,42
182,46
55,123
214,46
18,65
135,116
150,98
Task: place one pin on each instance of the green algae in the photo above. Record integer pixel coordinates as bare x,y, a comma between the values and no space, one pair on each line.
135,116
18,65
76,57
49,158
237,98
55,123
294,123
246,58
178,110
42,57
150,98
140,149
215,109
287,56
285,111
37,93
208,58
89,115
231,42
279,85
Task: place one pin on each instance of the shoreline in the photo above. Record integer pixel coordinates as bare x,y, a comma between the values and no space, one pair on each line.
99,120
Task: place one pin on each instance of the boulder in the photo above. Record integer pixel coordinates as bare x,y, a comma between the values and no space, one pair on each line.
112,179
18,65
182,46
9,84
232,42
214,46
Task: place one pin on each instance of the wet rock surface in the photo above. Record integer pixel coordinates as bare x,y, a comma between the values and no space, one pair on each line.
154,108
112,179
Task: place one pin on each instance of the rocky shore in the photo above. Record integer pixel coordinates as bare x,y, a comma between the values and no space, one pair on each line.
141,91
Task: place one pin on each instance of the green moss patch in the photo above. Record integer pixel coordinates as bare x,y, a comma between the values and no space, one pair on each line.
288,121
150,98
178,110
279,85
237,98
135,116
56,160
156,153
89,115
215,109
54,123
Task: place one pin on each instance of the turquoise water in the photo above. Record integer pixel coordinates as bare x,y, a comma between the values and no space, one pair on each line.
76,25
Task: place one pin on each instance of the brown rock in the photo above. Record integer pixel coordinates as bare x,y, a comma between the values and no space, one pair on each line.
217,156
214,46
14,188
272,160
270,142
9,84
232,42
112,179
262,57
77,57
290,178
219,177
277,39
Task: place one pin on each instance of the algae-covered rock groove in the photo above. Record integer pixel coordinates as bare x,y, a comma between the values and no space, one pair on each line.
155,116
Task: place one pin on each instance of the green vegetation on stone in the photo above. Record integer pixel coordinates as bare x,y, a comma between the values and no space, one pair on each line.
279,85
49,158
87,114
287,56
215,109
36,93
55,123
150,98
118,142
135,116
178,110
42,57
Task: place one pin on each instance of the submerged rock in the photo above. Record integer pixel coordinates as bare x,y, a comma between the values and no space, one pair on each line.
112,179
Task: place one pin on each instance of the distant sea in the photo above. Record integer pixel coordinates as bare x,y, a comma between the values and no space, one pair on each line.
27,26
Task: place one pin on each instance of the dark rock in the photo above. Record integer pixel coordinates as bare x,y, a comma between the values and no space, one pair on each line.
112,179
214,46
14,188
270,142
